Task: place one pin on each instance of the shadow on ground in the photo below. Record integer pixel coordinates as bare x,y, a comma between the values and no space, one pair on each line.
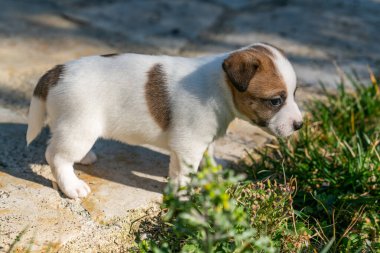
133,166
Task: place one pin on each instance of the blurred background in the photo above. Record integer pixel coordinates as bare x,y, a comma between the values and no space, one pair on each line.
316,35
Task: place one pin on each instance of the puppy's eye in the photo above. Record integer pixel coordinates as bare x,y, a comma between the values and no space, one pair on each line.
276,101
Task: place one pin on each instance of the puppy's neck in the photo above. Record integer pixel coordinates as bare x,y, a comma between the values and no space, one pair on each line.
216,80
225,86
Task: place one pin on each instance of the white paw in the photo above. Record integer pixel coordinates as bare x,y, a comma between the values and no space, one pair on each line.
180,181
74,188
90,158
177,185
184,180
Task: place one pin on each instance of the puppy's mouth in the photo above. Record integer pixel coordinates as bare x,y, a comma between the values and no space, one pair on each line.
266,128
279,133
260,123
269,131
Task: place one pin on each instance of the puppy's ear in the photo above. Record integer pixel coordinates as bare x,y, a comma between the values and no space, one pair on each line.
240,67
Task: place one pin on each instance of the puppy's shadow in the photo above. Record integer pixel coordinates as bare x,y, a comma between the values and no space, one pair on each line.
129,165
134,166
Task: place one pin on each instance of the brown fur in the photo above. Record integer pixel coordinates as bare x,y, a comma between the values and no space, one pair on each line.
157,96
48,80
264,83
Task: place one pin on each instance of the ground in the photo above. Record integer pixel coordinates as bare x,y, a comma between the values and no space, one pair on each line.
320,38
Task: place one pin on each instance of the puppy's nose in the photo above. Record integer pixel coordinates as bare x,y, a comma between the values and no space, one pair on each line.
297,125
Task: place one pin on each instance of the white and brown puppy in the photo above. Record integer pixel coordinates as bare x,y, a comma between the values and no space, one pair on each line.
175,103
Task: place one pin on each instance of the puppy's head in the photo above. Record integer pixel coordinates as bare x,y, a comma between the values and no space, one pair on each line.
263,85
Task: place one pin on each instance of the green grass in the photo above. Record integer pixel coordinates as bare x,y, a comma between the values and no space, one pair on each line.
336,162
315,192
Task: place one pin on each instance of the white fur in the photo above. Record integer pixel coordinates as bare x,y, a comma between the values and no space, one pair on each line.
36,119
105,97
282,123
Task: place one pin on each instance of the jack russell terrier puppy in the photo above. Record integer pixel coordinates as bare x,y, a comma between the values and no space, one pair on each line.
175,103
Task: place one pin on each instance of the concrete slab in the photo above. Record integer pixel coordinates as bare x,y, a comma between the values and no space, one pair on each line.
241,137
7,115
165,24
316,36
125,178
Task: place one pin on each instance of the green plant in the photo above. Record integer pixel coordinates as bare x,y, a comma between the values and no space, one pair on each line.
220,212
336,161
270,210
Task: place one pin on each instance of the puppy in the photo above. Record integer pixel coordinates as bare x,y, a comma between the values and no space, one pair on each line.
175,103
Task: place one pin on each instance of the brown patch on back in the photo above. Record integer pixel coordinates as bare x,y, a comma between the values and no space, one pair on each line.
48,80
109,55
157,96
264,83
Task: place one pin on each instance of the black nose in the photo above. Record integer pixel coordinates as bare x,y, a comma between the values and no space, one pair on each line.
297,125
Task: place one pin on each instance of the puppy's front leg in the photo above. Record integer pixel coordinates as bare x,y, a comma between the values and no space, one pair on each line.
182,164
209,154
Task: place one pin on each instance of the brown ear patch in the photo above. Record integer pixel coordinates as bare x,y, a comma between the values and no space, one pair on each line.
48,80
157,96
265,84
109,55
240,67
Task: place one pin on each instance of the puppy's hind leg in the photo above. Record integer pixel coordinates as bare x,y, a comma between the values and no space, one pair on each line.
66,147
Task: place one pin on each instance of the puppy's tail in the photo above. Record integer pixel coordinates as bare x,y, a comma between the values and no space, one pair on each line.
36,118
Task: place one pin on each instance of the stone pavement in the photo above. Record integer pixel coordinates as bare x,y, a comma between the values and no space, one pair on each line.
36,35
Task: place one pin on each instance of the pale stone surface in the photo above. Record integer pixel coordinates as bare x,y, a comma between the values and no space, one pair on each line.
124,178
36,35
165,24
7,115
241,137
317,36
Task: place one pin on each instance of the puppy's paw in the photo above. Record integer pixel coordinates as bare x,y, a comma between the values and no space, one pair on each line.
75,188
89,159
179,182
180,186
